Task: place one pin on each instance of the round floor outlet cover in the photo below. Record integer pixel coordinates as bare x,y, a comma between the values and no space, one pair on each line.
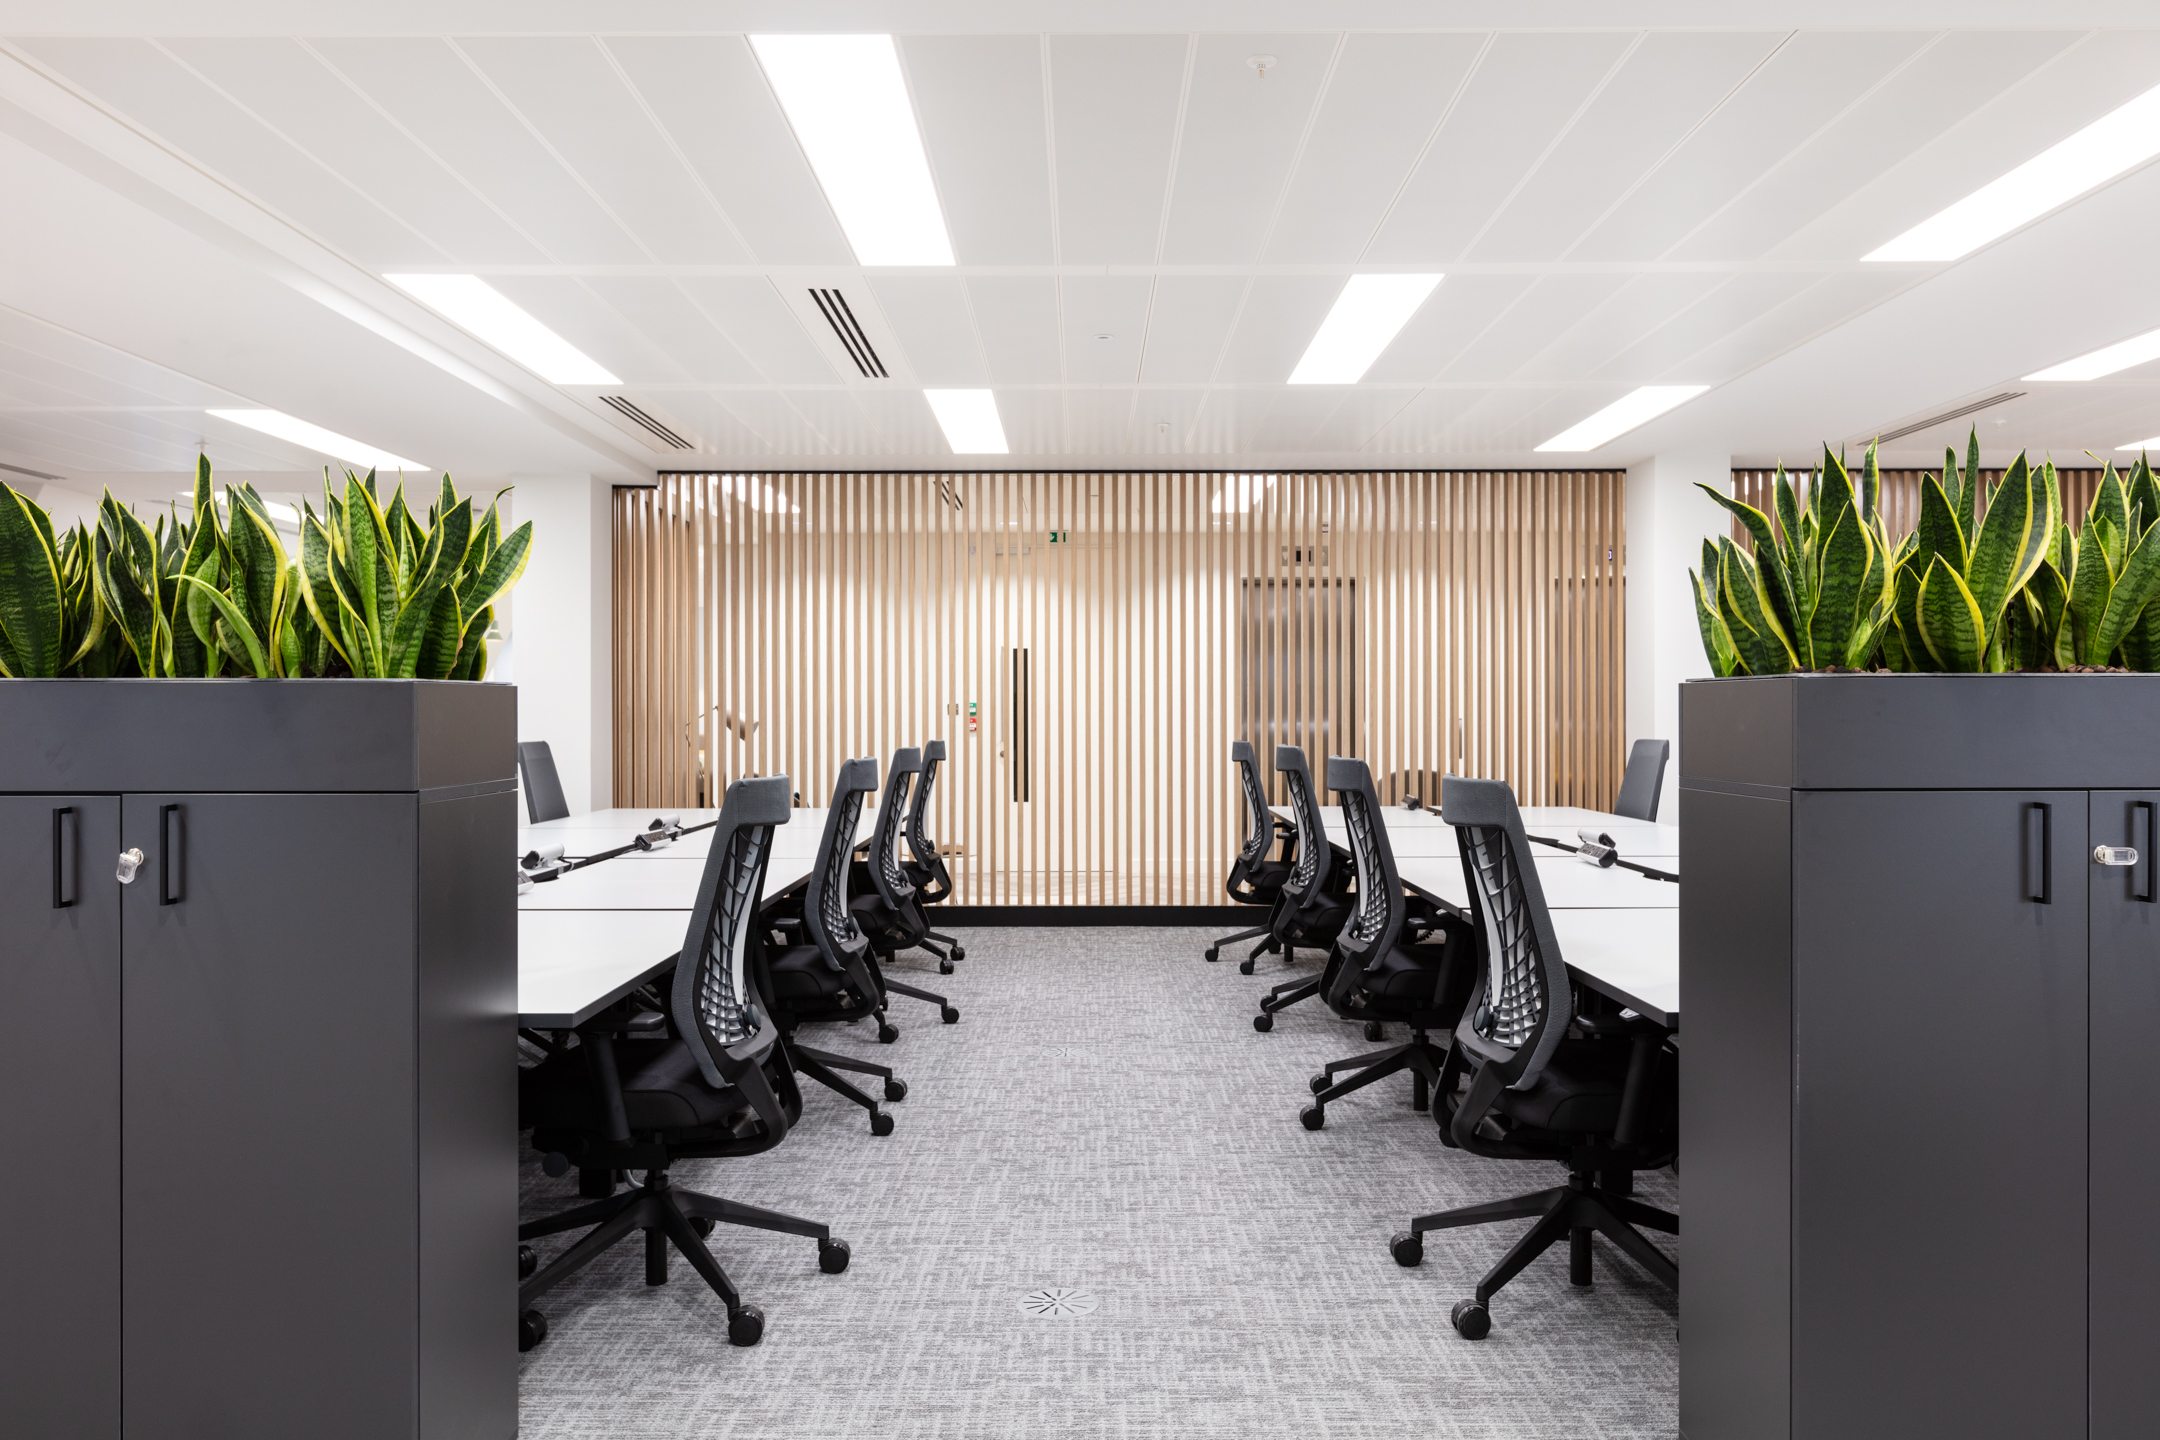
1056,1303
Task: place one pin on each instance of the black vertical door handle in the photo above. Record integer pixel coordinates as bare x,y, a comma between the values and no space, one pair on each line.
65,884
172,875
2141,838
2038,862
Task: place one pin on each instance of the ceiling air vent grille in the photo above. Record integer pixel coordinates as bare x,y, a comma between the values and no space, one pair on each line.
834,306
625,407
1918,425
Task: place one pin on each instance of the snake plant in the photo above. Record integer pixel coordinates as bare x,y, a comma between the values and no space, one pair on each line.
373,592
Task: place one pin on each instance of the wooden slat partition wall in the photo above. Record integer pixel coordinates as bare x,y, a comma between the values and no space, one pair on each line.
1901,495
1478,625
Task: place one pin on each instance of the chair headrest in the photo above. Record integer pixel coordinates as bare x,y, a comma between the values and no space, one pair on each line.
1476,802
1241,750
905,761
1344,773
1289,757
755,802
858,775
933,751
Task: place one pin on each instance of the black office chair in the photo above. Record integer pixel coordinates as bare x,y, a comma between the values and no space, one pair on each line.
1254,878
822,968
924,866
719,1087
1373,976
1603,1100
1644,781
543,787
1314,904
886,911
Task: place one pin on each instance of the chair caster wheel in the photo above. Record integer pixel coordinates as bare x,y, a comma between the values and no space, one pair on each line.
949,1015
1408,1248
886,1034
895,1089
1244,967
944,967
1313,1117
1263,1023
1472,1320
746,1326
1320,1081
959,952
701,1225
1374,1030
528,1262
1214,953
832,1256
532,1329
880,1123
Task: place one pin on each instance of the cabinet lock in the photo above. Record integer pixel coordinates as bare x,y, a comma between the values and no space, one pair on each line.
2117,855
130,862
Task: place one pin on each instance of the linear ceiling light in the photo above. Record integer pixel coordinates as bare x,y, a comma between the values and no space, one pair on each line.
2119,356
2152,444
314,437
1241,492
969,419
1367,316
479,307
283,514
2126,136
1637,407
848,102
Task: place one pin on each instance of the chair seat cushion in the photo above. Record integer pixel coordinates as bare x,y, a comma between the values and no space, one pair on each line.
663,1089
1319,921
1406,973
899,929
801,979
1577,1092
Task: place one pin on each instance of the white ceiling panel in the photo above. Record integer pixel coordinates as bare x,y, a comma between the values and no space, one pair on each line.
711,96
1163,419
1517,102
1188,326
665,316
1017,318
1289,422
979,100
427,88
1738,302
1279,319
719,431
1095,306
1667,86
1818,308
1226,418
570,308
777,424
928,312
1803,87
1450,319
1114,104
901,421
1099,422
750,312
835,416
1382,102
1362,415
1546,311
1635,310
570,91
1241,138
1034,421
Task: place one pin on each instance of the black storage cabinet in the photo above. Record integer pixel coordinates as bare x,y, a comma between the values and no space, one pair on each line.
1920,1097
259,1105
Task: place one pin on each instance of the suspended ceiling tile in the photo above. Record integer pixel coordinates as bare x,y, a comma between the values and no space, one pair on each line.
719,431
767,414
711,95
1099,422
1521,96
979,100
1034,421
427,87
1162,419
1017,318
1451,318
1634,310
667,319
762,326
1516,421
1188,325
1385,97
1814,310
1668,85
834,414
1095,306
567,88
1114,108
1227,416
1546,311
901,421
1241,136
928,312
1362,415
1280,317
571,309
1740,301
1287,424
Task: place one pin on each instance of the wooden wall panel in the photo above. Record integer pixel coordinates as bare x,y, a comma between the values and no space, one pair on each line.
1114,632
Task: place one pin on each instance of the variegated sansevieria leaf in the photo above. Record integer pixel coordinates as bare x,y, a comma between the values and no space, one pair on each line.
2013,539
1842,561
1778,589
2132,593
1763,647
1717,640
33,599
2092,584
1951,623
234,630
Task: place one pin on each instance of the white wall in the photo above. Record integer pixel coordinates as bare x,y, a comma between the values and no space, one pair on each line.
561,631
1667,519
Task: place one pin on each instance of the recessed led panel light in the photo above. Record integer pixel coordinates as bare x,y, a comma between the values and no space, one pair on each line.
848,102
2126,136
1630,410
314,437
1241,492
2152,444
1368,314
479,307
2119,356
969,419
281,513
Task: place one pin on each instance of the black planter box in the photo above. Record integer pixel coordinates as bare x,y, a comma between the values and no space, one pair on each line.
1920,1089
266,1087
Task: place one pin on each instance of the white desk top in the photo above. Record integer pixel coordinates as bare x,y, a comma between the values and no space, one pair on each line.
1569,884
572,964
1631,955
1423,832
799,836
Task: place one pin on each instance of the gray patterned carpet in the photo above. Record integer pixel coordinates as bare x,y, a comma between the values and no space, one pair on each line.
1105,1118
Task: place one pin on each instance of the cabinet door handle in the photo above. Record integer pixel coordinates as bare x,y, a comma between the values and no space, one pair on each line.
172,875
2141,839
2038,860
65,884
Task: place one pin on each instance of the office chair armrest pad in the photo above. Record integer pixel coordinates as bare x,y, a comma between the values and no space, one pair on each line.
1613,1026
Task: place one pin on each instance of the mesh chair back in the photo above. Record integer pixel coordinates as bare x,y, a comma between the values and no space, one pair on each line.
1310,870
543,787
715,1002
1376,923
825,906
1644,783
1257,814
1524,1002
893,886
920,845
